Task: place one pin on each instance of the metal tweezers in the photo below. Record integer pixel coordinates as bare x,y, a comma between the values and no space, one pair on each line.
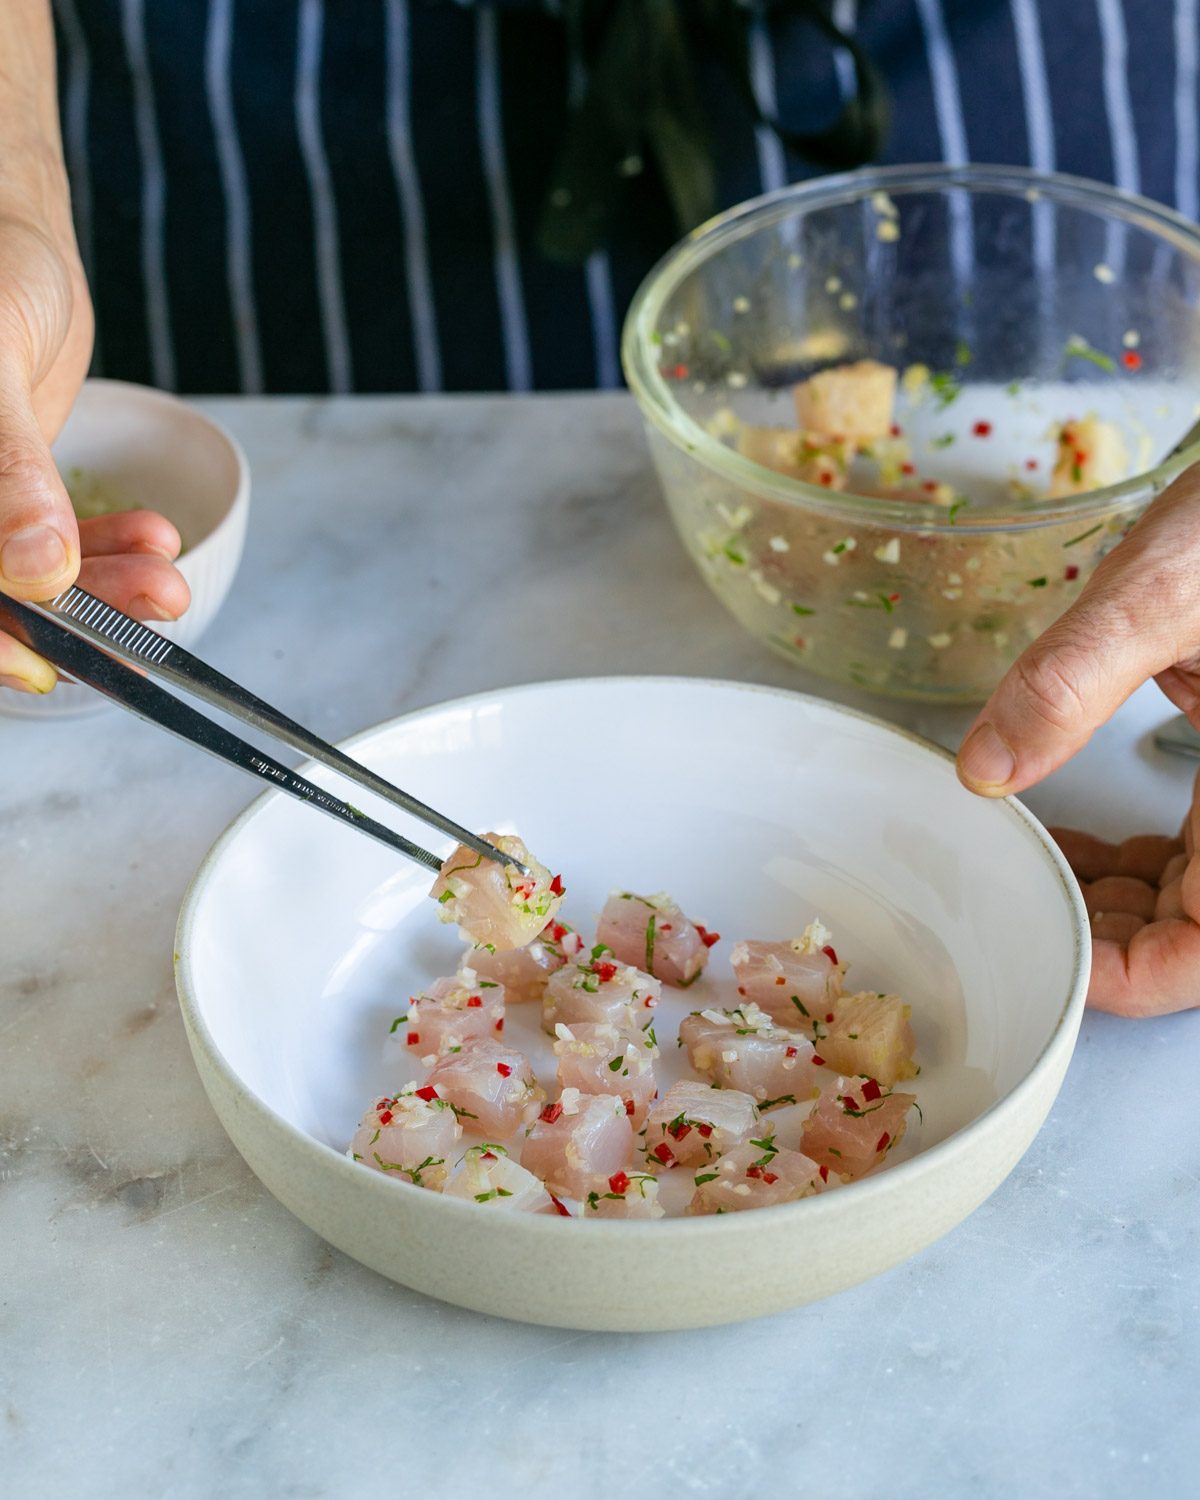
97,645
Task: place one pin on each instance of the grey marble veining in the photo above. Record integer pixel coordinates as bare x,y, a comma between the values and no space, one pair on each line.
166,1329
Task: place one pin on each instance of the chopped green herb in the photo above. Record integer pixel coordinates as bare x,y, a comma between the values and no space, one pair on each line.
1013,388
1083,535
721,340
802,609
771,1103
1078,348
704,1177
962,353
651,930
495,1193
737,558
444,897
945,387
944,441
399,1021
960,504
615,1064
1037,583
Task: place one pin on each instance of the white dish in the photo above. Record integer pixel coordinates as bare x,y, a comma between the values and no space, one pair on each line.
154,451
757,809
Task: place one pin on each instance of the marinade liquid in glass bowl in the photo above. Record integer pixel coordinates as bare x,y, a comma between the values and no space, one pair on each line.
1009,303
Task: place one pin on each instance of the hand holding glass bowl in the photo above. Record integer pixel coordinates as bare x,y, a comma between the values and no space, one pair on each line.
1009,303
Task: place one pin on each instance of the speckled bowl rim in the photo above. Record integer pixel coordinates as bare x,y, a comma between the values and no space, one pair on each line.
658,405
810,1210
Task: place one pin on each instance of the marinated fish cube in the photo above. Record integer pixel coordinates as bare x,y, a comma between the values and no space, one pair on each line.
870,1034
627,1195
600,989
854,1126
409,1135
491,1086
694,1122
487,1174
756,1174
597,1058
494,903
1090,454
578,1142
744,1049
653,932
794,982
450,1012
850,403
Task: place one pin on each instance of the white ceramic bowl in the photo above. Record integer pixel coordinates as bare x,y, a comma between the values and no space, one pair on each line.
155,452
756,808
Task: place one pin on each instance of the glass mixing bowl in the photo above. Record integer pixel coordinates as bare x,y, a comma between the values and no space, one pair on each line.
1010,302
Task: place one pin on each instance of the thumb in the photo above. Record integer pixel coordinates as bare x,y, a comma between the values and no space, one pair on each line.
1058,693
39,538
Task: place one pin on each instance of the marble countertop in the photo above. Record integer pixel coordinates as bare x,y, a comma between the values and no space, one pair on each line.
168,1330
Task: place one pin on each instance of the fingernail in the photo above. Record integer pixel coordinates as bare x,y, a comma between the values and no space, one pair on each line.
24,684
144,608
985,760
35,554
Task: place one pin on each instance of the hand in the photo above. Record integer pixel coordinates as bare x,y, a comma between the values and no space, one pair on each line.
45,346
1143,897
1137,618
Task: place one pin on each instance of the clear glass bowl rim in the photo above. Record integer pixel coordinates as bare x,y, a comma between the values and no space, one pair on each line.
654,396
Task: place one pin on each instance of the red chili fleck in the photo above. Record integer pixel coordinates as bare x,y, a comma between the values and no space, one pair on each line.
556,886
663,1152
1071,574
558,932
629,1106
819,1061
779,979
679,1131
754,1172
929,484
893,598
489,1156
706,937
604,970
412,1038
1131,359
427,1093
1031,464
618,1182
500,1024
982,429
474,1002
385,1117
792,1052
650,1002
829,1019
1080,458
830,953
824,1174
503,1069
551,1112
871,1091
741,989
560,1207
897,430
704,1130
770,1177
825,478
679,372
882,1141
908,468
664,927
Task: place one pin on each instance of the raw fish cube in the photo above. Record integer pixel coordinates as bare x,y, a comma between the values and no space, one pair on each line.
487,1174
854,1126
744,1049
600,989
494,903
409,1135
869,1034
789,452
794,982
579,1141
652,931
524,971
694,1122
597,1058
755,1174
1091,454
627,1195
850,403
491,1086
449,1012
